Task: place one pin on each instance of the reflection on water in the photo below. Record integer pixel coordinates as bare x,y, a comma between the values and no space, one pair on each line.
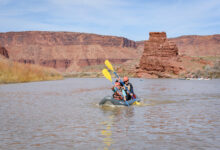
173,114
107,132
115,114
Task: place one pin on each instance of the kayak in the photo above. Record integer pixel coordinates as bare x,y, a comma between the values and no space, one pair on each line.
111,100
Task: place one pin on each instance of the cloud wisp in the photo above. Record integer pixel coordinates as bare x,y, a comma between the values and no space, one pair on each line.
131,19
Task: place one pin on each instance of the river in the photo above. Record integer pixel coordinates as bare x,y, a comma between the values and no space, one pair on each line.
65,115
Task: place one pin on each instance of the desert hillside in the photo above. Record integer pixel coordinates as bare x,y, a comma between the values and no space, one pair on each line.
194,45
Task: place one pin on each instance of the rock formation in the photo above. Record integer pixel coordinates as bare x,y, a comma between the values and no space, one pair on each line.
194,45
67,50
160,57
72,51
4,52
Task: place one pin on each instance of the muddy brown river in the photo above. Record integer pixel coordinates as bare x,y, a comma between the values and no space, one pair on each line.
65,115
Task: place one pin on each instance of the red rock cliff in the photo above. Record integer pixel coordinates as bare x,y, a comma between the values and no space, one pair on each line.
4,52
159,56
62,38
66,50
194,45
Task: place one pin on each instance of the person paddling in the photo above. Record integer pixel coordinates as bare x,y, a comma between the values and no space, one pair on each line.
119,93
130,93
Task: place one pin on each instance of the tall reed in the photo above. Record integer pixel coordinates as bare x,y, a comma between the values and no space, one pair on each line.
13,72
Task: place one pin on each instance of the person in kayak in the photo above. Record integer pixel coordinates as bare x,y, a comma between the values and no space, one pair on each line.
119,92
129,94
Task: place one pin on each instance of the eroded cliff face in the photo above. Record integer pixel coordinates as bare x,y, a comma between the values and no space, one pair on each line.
194,45
4,52
62,38
67,50
160,57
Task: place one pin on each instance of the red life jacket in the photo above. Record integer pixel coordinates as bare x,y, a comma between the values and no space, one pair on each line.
117,96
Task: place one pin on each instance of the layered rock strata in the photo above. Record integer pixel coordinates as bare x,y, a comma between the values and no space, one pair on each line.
195,45
160,56
67,50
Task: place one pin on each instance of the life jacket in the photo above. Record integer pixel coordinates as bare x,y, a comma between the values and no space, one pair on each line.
117,93
117,96
129,87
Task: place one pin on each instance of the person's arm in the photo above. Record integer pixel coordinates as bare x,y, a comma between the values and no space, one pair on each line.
118,79
131,90
113,89
124,94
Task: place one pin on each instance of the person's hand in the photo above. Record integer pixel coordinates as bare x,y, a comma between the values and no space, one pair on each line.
131,94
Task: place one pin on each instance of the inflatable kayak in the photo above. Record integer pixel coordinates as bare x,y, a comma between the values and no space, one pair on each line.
111,100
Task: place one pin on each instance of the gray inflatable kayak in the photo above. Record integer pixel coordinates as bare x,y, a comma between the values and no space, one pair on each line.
111,100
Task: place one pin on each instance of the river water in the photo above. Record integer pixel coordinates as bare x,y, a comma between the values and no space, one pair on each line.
65,115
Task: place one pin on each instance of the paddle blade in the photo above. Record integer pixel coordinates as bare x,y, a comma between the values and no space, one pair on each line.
109,65
136,103
107,74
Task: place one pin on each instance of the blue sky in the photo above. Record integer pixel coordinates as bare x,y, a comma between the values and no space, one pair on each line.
133,19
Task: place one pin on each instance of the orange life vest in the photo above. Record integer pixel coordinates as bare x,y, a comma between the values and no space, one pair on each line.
117,96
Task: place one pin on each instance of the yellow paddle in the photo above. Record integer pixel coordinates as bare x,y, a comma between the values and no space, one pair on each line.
136,103
110,67
107,74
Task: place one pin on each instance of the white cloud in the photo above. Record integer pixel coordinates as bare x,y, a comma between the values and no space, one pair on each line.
133,19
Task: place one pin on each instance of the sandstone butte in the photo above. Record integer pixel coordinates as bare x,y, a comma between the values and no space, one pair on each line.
194,45
160,57
71,51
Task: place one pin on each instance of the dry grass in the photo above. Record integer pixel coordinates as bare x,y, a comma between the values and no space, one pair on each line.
13,72
83,75
196,67
208,58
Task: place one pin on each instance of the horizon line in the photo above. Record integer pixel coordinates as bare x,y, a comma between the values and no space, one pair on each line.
106,34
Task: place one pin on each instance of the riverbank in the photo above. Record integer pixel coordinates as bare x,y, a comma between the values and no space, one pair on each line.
13,72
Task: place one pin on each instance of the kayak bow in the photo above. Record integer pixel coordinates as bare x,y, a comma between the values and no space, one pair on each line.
111,100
